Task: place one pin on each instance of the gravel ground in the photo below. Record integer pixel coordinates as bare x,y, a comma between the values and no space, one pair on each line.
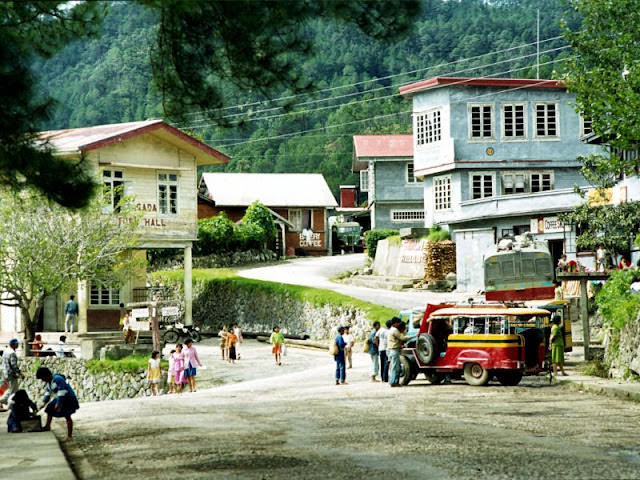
293,422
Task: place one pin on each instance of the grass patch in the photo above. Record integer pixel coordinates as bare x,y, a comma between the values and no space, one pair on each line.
315,296
595,368
132,363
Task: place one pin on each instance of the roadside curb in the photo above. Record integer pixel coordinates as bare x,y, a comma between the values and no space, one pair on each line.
34,455
593,386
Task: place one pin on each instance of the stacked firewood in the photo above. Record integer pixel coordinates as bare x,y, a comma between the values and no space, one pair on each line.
440,259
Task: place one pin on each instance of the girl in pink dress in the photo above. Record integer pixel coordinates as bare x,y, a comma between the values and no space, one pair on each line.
178,368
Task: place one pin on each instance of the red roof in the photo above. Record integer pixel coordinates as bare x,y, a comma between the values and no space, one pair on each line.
91,138
383,145
479,82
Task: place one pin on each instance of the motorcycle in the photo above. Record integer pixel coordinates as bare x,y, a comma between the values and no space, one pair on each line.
177,330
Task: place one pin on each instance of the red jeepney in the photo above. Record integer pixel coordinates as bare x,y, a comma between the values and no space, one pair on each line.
477,342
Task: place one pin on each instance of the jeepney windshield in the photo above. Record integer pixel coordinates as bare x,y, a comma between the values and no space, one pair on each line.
497,324
348,229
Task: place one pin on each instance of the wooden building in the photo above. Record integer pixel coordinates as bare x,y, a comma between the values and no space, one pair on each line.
298,202
157,165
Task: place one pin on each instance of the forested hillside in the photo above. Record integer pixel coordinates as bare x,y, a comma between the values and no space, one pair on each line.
108,80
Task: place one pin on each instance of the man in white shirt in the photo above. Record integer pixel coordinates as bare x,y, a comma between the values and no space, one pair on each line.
382,336
60,350
348,350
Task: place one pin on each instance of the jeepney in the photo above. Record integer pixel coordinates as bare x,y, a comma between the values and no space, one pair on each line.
477,342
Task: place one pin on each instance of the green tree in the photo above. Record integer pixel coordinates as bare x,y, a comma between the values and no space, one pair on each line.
29,30
45,248
614,226
604,74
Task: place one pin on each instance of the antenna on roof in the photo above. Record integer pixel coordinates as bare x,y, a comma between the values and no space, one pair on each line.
538,44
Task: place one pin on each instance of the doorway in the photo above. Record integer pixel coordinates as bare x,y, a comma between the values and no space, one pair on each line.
556,248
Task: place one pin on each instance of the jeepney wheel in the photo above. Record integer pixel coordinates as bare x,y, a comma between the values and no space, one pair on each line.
426,348
170,336
405,370
475,374
434,378
509,378
195,336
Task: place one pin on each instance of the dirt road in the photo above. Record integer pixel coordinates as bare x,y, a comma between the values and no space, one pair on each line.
294,423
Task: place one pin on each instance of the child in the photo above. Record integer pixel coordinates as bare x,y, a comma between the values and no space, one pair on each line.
64,403
232,341
153,373
171,377
191,360
178,368
223,341
238,333
277,340
21,408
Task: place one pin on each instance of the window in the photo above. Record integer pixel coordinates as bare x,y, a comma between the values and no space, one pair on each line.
364,180
428,127
112,188
585,126
480,121
541,182
528,269
407,215
507,269
481,185
411,178
442,192
546,120
514,125
301,219
493,270
168,193
104,296
526,182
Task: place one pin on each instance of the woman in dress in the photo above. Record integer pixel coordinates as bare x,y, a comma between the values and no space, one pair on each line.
153,373
223,342
557,346
64,402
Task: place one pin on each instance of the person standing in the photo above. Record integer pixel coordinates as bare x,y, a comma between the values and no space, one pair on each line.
601,255
232,341
129,334
71,314
64,402
394,348
11,371
557,345
348,350
178,368
382,336
191,361
171,378
341,371
154,374
238,333
223,341
277,342
373,351
37,345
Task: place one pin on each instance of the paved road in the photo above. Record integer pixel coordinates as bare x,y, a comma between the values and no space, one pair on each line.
294,423
316,271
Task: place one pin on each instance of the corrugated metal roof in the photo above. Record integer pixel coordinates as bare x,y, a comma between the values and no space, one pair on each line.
84,139
383,145
479,82
271,189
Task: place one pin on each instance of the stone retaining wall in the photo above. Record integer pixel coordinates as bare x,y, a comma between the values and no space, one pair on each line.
89,387
216,260
221,303
622,350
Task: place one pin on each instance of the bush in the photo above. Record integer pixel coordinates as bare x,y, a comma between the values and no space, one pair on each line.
372,237
249,236
617,303
260,215
436,234
215,235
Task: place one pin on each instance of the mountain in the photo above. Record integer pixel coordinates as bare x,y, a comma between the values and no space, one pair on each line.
108,80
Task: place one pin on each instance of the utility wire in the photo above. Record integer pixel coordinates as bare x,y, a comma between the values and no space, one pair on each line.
410,72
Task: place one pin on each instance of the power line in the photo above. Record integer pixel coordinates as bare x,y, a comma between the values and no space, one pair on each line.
287,97
407,111
312,110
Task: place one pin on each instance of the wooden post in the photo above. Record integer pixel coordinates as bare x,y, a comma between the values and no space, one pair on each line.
584,314
155,327
188,289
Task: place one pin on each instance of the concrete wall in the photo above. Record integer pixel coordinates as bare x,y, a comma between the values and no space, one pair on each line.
400,259
382,214
471,246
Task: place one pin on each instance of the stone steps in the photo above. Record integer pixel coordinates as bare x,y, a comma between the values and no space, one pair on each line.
387,283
